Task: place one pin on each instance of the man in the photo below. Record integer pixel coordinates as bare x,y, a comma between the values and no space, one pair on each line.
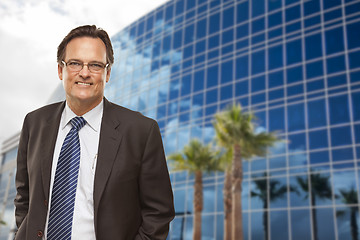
87,168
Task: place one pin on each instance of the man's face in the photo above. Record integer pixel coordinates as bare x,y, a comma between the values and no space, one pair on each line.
84,87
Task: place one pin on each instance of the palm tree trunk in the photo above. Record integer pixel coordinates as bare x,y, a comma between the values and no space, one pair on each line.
198,205
353,224
237,175
227,205
265,220
313,209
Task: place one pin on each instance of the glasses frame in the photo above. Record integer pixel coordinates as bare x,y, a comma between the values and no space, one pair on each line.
82,66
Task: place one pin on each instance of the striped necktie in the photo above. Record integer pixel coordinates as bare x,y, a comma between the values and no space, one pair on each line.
64,188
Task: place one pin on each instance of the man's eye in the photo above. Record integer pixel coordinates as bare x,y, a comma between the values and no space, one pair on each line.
74,64
95,65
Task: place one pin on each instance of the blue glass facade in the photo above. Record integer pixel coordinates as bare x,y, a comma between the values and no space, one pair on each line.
295,65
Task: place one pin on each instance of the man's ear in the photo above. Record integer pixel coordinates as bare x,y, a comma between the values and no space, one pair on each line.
60,69
108,74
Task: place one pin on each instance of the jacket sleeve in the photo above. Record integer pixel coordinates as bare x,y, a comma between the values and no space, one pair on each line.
156,197
21,180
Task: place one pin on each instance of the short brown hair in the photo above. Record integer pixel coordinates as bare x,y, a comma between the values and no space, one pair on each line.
86,31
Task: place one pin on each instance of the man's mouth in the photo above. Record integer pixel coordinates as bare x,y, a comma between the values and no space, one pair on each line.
84,84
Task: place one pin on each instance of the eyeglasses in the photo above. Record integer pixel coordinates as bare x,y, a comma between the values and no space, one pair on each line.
77,66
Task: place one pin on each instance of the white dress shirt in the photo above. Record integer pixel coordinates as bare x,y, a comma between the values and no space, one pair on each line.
83,219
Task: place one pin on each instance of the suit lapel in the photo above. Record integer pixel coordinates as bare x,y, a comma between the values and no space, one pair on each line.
48,139
110,138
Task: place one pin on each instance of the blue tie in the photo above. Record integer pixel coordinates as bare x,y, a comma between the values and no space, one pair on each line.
64,188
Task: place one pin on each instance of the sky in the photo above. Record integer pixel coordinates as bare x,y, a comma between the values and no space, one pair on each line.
31,30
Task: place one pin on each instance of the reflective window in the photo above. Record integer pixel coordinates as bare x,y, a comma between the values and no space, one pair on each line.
242,31
211,96
258,25
313,46
324,219
342,154
292,13
226,92
179,7
242,88
214,23
336,80
185,85
294,74
330,4
258,62
275,18
353,35
200,47
300,224
340,136
275,57
316,113
228,18
296,117
319,157
276,119
258,7
227,36
311,7
314,69
339,109
226,72
318,139
201,28
242,12
212,76
334,40
279,225
297,142
293,52
242,67
356,105
177,39
354,59
189,34
258,84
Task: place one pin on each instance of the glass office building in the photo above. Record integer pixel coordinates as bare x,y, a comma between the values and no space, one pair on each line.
296,65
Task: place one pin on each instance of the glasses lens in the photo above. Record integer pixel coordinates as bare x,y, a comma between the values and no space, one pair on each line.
95,67
74,65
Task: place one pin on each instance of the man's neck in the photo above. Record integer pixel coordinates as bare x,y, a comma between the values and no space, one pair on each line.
82,107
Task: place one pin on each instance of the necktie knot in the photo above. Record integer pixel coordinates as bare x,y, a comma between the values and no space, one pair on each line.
78,122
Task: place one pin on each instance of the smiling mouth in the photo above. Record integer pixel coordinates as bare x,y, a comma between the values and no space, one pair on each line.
84,84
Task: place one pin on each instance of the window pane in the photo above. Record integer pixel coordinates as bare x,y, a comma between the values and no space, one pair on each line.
313,46
318,139
340,136
296,117
316,113
334,40
339,109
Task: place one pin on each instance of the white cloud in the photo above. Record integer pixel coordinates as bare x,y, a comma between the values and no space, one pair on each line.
30,32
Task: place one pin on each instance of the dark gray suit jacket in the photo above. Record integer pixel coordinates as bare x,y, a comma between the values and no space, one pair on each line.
132,190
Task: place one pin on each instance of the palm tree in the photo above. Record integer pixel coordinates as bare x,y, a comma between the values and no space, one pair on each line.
350,198
320,188
235,131
196,158
276,190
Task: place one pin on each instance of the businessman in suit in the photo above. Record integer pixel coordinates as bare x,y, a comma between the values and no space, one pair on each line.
117,184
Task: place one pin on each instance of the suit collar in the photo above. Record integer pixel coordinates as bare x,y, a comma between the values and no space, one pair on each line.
48,140
110,139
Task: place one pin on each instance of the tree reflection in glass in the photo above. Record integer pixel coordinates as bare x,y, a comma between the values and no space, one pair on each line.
349,197
320,188
276,190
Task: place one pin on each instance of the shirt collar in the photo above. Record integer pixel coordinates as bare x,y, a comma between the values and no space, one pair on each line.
92,117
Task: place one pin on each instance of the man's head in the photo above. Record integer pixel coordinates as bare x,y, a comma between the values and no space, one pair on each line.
84,60
86,31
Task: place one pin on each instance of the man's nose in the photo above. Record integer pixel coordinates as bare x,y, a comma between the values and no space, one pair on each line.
84,72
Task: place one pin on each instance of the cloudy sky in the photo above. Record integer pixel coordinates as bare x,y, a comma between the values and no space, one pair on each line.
31,30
